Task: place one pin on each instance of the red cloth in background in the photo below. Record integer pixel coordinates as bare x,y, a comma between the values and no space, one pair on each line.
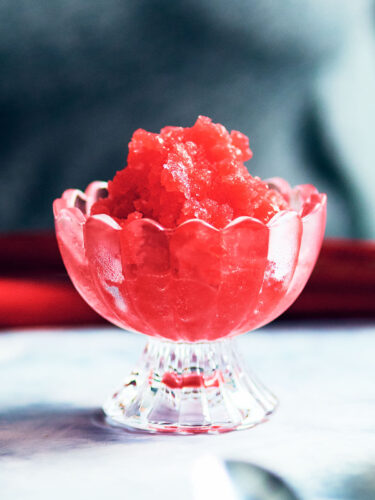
36,291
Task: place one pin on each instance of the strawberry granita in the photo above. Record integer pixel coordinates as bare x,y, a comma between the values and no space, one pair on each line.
189,173
187,247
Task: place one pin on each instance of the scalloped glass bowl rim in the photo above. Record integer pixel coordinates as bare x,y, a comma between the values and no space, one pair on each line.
85,195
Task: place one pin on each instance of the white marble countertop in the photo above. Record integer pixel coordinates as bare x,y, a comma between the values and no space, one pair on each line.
55,444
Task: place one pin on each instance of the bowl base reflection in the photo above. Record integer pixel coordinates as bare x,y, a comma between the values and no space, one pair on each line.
190,388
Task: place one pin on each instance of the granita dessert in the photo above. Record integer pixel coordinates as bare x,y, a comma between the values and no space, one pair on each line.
199,248
186,246
194,239
189,173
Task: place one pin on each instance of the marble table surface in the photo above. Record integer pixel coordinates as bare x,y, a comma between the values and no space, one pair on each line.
54,442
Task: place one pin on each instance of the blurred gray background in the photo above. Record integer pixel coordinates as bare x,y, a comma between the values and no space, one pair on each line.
78,76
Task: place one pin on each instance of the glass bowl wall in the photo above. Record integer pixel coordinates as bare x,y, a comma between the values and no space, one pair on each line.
192,283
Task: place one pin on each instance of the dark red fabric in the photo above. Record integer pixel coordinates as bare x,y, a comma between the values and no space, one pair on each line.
35,289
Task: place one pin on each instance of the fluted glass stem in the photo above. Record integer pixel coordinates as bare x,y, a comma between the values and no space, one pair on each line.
190,388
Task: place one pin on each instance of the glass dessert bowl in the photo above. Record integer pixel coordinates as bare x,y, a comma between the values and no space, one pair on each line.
190,289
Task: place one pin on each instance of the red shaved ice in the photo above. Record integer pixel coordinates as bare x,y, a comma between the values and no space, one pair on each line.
189,173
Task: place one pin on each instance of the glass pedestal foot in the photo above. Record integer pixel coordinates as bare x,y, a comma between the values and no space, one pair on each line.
190,388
